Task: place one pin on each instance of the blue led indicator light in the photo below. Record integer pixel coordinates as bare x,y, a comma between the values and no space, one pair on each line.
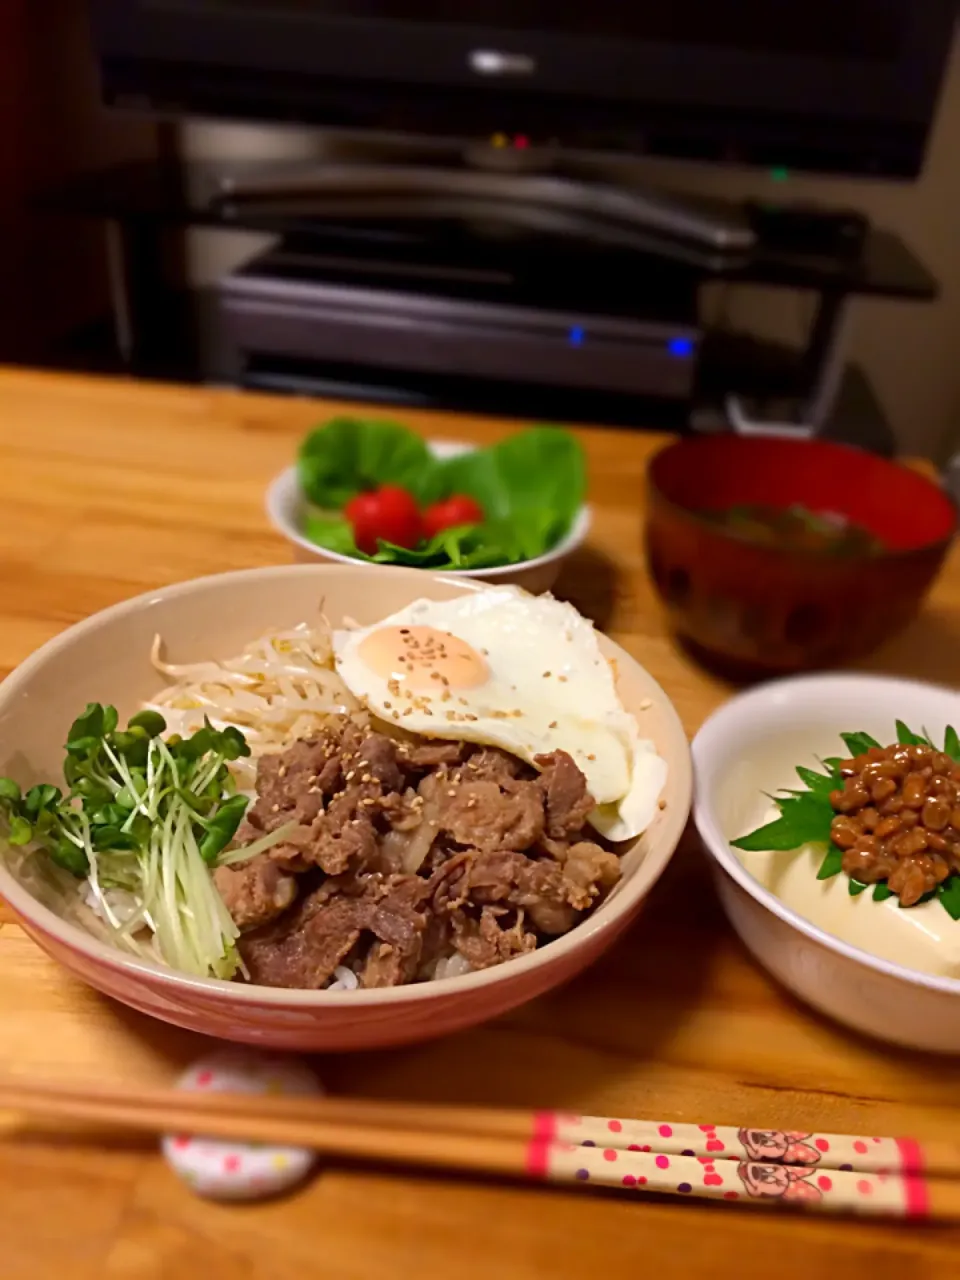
682,347
576,336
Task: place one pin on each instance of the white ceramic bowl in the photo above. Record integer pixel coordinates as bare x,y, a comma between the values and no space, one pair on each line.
752,745
107,658
286,506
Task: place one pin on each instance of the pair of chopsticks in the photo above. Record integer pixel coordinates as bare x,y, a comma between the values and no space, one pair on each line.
827,1172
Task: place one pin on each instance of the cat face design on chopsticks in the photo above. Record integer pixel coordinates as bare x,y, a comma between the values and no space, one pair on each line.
776,1144
777,1182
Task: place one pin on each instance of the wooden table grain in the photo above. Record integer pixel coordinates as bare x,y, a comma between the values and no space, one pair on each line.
110,488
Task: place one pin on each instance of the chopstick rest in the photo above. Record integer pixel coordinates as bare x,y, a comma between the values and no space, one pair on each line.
237,1170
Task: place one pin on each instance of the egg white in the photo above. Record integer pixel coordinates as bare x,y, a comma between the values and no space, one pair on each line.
548,688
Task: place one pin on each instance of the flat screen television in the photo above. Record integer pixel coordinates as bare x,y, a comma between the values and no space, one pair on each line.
830,85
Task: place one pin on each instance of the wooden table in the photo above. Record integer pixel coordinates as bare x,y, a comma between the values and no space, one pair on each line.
108,489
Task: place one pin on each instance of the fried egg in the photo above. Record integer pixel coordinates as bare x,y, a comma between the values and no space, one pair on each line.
507,669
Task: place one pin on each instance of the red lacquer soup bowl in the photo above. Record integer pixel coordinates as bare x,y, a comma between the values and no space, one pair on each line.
776,606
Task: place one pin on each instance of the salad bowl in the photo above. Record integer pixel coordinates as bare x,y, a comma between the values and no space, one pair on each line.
287,508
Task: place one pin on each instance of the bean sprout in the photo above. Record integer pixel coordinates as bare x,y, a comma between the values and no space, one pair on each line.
280,688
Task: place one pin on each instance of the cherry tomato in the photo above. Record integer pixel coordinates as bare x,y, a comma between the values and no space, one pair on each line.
455,510
389,513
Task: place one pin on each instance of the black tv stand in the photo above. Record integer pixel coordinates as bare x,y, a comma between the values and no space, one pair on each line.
534,187
745,383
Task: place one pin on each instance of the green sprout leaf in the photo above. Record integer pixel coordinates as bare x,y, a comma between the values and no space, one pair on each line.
66,854
9,792
152,722
41,797
149,817
88,726
222,828
21,831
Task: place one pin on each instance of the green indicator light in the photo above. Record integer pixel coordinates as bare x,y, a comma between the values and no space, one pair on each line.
779,173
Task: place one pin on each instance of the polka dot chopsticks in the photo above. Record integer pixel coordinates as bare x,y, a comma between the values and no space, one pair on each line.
822,1172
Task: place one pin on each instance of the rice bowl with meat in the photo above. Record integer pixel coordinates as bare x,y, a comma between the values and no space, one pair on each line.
214,619
369,855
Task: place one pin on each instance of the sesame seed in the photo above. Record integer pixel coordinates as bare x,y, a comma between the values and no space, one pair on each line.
451,792
546,675
562,679
661,804
367,777
368,800
552,724
591,757
275,808
646,704
351,775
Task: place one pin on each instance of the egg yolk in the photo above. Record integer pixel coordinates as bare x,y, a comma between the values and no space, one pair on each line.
423,658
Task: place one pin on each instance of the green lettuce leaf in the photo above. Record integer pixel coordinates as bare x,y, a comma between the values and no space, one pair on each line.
348,456
539,472
470,546
334,533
